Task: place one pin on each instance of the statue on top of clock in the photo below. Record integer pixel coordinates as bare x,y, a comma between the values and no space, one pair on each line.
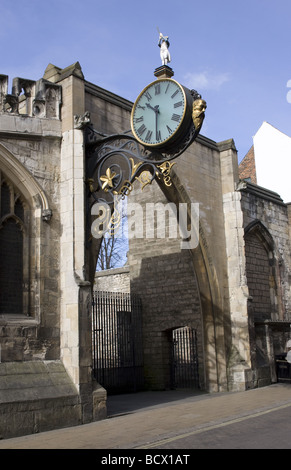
164,44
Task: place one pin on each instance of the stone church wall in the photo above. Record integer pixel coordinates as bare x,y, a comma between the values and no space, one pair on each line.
267,207
268,273
35,144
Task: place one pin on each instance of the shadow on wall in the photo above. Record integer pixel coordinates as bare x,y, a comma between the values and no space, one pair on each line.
170,298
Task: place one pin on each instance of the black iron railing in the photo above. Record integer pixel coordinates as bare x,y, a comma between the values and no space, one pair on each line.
117,342
184,371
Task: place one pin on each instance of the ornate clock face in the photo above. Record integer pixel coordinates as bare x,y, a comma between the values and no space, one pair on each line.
158,112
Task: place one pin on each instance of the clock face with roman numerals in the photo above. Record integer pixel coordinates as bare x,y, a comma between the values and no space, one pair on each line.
158,113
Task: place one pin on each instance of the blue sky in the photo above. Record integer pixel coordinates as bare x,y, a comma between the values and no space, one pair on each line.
237,54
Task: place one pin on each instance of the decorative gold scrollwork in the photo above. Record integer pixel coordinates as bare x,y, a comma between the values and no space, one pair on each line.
165,169
144,178
134,166
108,179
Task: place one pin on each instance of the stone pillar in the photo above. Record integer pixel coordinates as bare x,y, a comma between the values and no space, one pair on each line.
239,355
76,326
72,247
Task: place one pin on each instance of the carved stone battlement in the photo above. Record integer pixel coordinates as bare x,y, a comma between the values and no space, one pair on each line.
40,98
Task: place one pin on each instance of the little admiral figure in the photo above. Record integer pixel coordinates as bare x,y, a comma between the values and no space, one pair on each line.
164,44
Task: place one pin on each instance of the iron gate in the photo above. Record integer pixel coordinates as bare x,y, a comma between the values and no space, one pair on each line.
185,372
117,342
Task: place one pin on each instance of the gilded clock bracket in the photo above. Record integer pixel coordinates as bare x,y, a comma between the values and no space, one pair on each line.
114,162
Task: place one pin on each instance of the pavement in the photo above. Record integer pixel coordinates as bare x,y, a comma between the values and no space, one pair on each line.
147,420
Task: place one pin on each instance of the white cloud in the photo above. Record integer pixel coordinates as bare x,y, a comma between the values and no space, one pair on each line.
205,80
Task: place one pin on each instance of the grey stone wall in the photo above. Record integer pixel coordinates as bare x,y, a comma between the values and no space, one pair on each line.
113,280
268,275
35,397
261,205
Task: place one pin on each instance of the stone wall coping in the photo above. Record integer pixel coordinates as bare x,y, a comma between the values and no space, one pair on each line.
108,96
226,145
259,191
112,272
26,127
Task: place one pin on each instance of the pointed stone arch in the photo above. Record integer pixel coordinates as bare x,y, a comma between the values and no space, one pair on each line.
258,228
261,270
25,182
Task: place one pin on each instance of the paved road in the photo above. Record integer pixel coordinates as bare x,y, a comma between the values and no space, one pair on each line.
166,421
263,430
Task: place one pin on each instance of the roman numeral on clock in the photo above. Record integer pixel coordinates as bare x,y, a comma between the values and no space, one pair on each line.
176,117
174,94
141,130
148,95
149,135
157,89
139,119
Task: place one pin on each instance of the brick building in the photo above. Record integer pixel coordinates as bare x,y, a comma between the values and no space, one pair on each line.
232,288
247,167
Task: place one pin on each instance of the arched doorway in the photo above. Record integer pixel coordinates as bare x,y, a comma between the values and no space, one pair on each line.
260,266
263,301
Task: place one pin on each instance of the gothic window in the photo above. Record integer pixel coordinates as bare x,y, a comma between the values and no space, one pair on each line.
12,243
260,272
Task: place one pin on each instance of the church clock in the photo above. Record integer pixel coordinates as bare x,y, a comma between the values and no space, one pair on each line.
161,114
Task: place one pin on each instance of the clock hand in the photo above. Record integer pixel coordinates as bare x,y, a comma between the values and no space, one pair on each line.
155,109
149,106
156,115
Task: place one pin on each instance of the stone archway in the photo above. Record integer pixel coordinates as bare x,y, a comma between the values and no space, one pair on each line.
25,182
263,301
260,267
152,268
213,314
104,181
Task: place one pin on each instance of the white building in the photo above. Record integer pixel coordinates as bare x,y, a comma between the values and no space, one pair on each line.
272,150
